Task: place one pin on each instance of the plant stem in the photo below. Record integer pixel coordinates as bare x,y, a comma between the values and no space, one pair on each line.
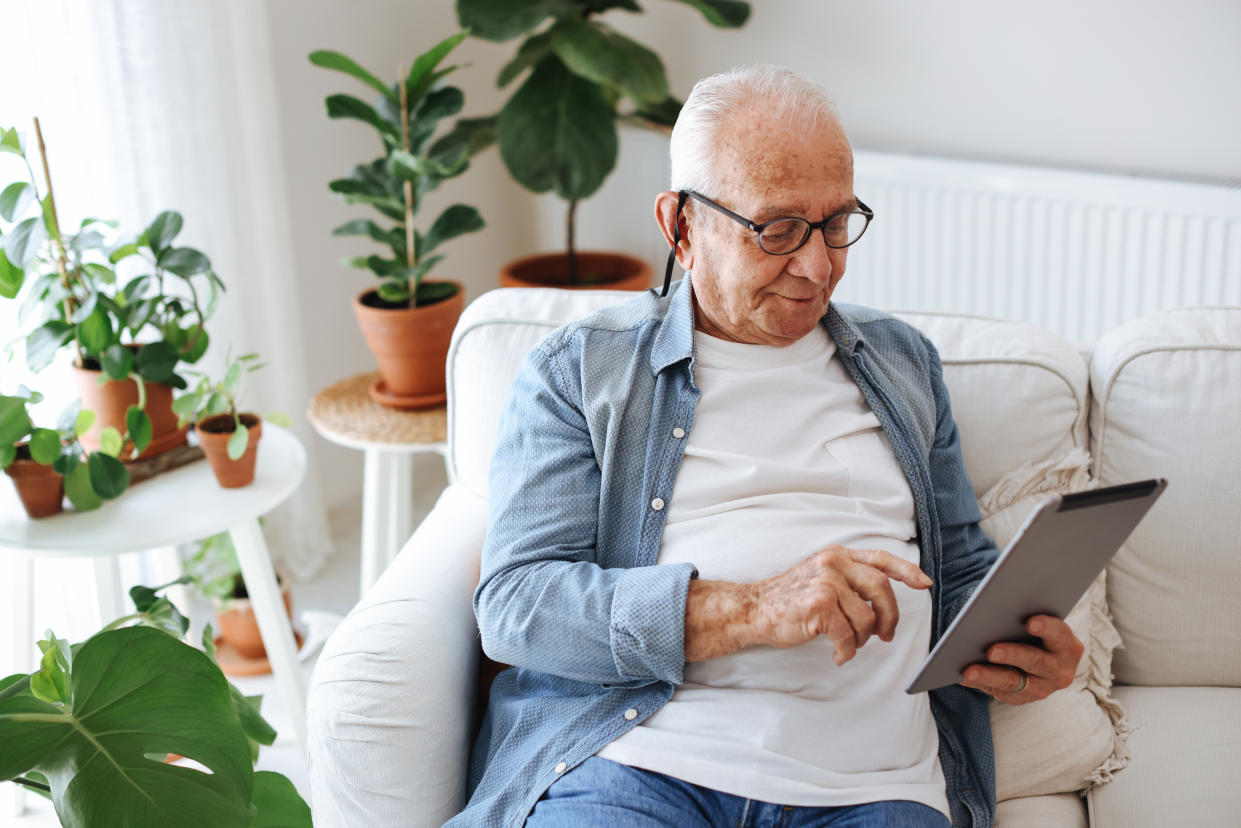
410,258
30,783
570,233
60,245
120,622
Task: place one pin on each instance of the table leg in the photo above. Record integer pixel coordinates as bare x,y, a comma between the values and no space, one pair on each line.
108,588
402,503
21,568
274,625
374,518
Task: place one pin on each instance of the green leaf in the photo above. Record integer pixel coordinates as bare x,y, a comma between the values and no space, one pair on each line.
557,133
163,615
11,277
727,14
22,243
111,441
95,332
455,221
78,488
163,230
122,252
196,341
44,342
531,52
183,261
99,273
117,361
356,192
51,682
471,135
385,267
138,424
232,377
209,643
135,691
8,453
113,223
347,106
135,288
216,404
108,476
277,803
143,597
49,218
14,421
393,292
155,362
84,421
83,311
662,114
15,200
431,292
238,442
69,459
335,60
68,416
279,418
609,58
252,722
506,19
419,79
407,167
86,241
44,445
11,141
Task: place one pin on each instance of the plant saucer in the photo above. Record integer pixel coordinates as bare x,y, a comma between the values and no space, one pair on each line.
379,392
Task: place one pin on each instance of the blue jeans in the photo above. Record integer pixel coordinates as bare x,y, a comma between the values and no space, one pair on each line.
600,792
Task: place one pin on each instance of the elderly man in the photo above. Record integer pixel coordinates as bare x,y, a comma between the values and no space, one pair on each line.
705,503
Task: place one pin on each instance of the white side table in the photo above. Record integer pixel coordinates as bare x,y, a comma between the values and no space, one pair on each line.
175,507
346,415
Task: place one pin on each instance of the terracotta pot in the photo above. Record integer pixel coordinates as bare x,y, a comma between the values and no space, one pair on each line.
110,401
603,271
411,347
236,625
40,488
213,434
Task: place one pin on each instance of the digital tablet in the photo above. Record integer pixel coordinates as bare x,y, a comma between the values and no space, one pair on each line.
1045,570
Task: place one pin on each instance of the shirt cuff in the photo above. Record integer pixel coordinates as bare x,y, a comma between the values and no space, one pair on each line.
648,622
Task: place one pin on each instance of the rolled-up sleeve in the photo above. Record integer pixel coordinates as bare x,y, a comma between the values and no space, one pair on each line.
543,602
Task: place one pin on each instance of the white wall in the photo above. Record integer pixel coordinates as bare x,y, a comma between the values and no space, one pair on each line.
1134,87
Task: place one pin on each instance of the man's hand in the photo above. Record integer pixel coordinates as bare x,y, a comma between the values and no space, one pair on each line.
845,594
1046,669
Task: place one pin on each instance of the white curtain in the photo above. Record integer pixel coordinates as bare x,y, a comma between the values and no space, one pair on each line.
147,105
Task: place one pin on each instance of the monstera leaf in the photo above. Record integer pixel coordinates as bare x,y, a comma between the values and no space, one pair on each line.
134,694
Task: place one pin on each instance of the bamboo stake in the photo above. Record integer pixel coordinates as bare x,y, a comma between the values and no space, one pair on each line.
61,259
410,260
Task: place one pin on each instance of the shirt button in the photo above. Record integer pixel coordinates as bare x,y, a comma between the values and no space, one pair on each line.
561,768
631,714
678,432
657,504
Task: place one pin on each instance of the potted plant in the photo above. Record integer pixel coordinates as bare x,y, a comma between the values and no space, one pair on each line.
46,464
407,320
214,571
127,335
229,438
89,727
557,132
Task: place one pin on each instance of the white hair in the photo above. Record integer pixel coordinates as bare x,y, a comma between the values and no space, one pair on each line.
714,100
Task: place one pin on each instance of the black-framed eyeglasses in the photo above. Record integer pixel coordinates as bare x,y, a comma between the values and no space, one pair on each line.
784,235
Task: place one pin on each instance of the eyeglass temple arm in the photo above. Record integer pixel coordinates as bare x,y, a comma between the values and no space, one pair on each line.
676,239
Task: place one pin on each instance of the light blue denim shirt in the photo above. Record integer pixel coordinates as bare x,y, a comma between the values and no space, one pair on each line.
570,592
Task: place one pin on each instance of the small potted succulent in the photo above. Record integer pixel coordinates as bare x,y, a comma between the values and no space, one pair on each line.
127,335
46,464
557,132
229,438
407,320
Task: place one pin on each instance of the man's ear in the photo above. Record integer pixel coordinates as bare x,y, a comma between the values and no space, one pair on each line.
665,215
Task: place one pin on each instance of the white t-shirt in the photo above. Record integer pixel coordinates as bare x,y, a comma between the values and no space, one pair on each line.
785,458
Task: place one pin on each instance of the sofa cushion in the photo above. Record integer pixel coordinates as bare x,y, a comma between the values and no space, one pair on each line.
1167,403
1075,737
1018,392
1186,744
1056,811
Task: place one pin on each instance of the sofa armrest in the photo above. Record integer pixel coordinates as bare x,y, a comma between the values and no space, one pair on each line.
390,701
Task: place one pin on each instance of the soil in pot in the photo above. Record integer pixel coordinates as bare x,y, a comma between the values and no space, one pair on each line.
596,271
40,488
111,400
213,435
410,345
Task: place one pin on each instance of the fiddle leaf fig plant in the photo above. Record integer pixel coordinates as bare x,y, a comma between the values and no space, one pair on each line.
557,132
93,725
210,397
405,117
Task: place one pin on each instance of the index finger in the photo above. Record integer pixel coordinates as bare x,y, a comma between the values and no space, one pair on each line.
892,566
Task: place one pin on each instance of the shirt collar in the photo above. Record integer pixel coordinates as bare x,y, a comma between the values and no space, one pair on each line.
674,341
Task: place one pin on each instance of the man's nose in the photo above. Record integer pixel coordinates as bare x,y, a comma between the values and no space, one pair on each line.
813,260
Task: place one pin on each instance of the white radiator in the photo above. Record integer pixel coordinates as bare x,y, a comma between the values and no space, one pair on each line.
1073,252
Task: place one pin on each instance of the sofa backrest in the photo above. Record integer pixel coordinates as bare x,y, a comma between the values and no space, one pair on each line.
1166,402
1018,392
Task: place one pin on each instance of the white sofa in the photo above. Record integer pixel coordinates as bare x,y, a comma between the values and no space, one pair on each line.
392,698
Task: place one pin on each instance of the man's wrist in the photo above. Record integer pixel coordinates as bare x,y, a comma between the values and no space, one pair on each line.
719,619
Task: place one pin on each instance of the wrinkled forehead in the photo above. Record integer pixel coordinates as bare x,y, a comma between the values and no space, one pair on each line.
764,163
